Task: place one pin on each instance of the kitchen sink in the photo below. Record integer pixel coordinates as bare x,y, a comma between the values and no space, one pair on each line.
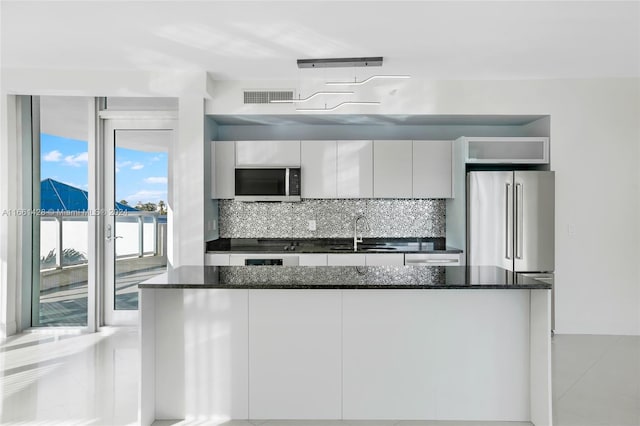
341,248
377,248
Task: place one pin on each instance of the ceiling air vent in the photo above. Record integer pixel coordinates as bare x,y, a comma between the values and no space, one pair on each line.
266,96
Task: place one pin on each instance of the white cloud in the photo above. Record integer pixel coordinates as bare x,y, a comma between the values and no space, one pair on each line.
128,165
76,160
156,179
53,156
146,196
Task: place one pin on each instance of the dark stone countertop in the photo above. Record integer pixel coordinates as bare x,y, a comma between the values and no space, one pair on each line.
342,277
330,245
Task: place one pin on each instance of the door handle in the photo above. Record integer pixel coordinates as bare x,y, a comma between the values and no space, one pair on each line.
519,217
508,222
108,233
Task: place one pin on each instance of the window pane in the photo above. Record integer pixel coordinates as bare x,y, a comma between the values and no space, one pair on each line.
61,232
141,170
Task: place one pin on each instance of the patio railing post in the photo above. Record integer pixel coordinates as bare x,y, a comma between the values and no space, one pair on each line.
140,236
59,242
155,235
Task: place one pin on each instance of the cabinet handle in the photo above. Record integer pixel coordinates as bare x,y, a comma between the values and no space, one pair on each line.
508,222
286,182
519,213
422,262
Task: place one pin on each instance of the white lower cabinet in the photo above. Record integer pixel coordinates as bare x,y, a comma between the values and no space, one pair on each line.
434,259
216,259
388,355
385,259
346,259
312,259
295,354
436,354
352,354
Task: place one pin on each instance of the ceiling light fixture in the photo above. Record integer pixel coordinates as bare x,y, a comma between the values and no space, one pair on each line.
341,104
295,101
371,61
366,80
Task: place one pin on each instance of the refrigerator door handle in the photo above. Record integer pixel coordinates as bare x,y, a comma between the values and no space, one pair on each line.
519,216
508,222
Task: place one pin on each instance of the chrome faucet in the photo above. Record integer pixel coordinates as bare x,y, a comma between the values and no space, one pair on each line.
357,240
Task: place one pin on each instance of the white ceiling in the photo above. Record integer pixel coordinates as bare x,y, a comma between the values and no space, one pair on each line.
261,40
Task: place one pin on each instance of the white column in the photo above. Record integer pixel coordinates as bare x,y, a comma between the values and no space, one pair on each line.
186,180
8,221
540,358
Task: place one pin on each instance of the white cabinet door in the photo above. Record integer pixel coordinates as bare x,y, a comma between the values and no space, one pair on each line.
318,166
432,169
216,259
507,150
267,153
385,259
389,355
433,259
223,163
319,259
295,354
346,259
213,348
392,165
355,169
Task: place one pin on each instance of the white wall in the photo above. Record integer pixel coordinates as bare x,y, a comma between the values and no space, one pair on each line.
595,151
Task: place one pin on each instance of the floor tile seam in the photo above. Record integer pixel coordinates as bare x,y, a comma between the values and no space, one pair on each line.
607,349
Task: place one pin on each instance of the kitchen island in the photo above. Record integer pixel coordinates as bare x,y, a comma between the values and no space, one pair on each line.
392,342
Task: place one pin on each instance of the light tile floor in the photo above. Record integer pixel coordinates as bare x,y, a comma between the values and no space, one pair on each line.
65,378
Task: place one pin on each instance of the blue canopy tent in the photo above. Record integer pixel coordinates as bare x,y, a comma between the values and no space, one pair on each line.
58,196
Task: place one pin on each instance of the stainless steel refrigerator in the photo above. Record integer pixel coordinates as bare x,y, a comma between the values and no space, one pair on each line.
510,220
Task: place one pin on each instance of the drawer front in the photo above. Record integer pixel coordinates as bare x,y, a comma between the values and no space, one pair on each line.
216,259
385,259
343,259
433,259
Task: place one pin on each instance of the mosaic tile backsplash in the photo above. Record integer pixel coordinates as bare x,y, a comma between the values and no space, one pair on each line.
388,218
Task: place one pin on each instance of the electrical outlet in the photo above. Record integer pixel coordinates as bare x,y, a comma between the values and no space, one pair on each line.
311,225
571,230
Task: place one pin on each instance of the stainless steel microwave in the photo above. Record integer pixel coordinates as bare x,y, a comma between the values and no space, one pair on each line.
268,184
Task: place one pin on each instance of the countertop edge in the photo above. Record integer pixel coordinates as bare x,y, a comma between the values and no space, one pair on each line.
446,251
346,287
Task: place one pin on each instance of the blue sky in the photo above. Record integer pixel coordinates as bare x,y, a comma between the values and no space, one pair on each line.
140,176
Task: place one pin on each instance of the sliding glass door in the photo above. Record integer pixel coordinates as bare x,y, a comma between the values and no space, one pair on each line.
97,181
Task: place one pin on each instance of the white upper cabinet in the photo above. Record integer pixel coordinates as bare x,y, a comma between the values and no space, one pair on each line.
504,150
267,153
223,174
355,169
432,169
319,169
392,164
